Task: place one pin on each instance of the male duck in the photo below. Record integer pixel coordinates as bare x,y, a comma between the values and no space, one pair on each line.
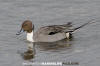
50,33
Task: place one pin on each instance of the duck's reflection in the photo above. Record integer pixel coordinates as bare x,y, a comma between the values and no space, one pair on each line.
45,46
30,53
59,45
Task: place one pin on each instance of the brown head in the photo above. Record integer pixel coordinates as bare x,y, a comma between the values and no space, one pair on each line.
26,26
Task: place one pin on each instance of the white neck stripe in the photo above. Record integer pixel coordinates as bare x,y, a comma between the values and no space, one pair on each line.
30,37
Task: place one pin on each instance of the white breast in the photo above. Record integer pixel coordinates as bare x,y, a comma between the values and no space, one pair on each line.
67,35
30,37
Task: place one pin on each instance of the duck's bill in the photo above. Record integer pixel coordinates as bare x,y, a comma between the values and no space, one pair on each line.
20,32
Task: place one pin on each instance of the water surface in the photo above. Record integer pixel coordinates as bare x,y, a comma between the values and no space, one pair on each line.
84,48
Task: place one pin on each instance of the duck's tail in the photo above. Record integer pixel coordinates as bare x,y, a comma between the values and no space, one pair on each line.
89,22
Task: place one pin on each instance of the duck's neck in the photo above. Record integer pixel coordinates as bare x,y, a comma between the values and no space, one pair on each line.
30,36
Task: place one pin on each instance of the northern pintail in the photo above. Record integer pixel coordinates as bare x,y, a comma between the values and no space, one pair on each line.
50,33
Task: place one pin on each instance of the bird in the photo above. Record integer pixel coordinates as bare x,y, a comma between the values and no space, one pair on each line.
51,33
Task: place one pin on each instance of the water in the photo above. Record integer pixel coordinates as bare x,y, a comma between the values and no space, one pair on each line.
84,48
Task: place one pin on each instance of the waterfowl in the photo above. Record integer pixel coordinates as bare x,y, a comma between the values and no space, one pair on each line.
50,33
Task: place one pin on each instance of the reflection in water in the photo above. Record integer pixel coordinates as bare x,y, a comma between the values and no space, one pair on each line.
59,45
30,53
45,46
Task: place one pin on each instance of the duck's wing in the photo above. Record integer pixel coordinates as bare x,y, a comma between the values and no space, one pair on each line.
50,33
53,29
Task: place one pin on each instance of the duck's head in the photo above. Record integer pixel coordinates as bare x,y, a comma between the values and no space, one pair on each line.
26,26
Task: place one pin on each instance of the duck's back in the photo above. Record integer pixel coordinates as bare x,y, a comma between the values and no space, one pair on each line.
50,33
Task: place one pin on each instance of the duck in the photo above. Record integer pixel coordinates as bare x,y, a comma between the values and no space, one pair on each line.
51,33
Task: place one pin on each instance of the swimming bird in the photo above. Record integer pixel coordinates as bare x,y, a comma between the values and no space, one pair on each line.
50,33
